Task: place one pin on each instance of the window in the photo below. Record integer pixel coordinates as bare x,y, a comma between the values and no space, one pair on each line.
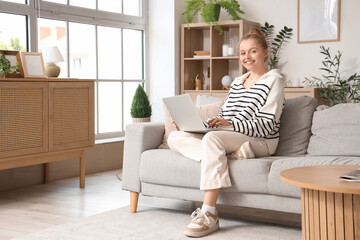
13,36
16,1
53,33
96,42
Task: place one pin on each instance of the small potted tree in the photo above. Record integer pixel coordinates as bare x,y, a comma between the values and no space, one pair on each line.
140,106
210,11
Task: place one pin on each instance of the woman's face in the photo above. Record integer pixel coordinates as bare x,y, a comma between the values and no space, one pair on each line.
252,55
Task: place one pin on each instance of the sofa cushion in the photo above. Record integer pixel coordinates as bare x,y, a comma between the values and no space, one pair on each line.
162,166
336,131
295,126
205,99
278,187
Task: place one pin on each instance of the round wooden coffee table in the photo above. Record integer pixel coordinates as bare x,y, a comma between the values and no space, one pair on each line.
330,206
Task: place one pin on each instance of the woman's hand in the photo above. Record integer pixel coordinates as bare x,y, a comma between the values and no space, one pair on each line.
175,126
216,122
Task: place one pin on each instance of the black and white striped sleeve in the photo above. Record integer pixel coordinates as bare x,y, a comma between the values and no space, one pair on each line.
266,121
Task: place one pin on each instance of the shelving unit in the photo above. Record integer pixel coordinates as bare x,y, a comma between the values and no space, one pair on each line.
202,37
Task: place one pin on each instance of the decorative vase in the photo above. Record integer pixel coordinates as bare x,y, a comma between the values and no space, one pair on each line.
140,120
214,9
52,70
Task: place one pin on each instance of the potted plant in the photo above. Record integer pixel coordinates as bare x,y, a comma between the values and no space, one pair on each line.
276,42
140,106
336,88
6,68
210,11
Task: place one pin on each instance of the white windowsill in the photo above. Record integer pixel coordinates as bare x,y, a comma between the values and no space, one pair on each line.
109,140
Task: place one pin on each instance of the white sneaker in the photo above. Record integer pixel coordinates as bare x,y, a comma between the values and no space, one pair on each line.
202,224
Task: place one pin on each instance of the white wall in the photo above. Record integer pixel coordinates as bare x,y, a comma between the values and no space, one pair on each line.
303,60
164,19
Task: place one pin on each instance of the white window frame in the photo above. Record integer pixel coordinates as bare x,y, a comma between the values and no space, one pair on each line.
42,9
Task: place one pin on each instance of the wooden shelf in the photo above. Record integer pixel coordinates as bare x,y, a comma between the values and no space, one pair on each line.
200,37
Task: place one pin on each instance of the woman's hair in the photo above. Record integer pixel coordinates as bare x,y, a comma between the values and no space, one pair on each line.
258,36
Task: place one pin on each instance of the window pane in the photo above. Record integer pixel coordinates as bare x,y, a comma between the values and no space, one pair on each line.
129,91
132,7
110,105
84,3
133,54
110,5
13,32
82,50
57,1
53,33
109,52
16,1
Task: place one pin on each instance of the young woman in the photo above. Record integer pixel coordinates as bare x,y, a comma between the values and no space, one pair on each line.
251,118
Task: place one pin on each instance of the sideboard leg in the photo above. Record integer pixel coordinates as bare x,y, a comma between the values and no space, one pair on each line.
82,169
46,173
134,196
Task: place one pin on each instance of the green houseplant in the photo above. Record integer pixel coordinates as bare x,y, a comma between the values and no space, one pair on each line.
336,88
6,68
210,11
276,42
140,106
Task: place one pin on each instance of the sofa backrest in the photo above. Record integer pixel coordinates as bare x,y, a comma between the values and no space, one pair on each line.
336,131
295,126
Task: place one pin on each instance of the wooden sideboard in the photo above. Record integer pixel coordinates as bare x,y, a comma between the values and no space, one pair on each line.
45,120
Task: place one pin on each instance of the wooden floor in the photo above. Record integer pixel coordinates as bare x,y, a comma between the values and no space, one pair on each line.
35,208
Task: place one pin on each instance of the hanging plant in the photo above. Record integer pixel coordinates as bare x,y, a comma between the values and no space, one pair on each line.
210,11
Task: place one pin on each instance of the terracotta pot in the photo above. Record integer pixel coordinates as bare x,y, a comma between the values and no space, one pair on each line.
139,120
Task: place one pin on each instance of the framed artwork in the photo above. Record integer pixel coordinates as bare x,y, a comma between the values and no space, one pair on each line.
14,58
318,21
33,65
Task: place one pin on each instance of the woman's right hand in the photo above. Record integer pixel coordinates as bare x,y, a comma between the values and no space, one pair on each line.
175,126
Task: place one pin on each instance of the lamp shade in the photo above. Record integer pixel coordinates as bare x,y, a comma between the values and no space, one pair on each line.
51,54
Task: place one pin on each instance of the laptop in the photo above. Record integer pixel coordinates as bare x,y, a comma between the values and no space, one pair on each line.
185,115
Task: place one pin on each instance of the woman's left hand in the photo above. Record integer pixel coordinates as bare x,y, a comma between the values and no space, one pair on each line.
216,122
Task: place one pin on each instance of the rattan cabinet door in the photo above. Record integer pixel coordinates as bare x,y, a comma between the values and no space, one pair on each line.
23,118
71,110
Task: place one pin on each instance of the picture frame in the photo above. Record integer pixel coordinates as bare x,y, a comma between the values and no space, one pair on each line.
318,21
14,58
33,65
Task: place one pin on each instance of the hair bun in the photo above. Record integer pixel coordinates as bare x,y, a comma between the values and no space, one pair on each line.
256,31
257,35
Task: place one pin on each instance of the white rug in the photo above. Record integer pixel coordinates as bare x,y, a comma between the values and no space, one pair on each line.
152,223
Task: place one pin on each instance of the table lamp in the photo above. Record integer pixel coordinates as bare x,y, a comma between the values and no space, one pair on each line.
51,56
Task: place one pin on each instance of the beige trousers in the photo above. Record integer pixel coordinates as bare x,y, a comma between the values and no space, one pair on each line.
211,150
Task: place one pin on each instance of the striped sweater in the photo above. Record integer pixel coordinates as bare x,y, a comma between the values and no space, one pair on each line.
255,111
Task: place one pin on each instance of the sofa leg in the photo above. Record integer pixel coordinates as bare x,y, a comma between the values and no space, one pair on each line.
134,196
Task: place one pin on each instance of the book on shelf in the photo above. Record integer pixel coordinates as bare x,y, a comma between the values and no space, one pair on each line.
203,52
201,56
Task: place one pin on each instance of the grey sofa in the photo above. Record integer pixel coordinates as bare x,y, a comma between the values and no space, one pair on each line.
305,139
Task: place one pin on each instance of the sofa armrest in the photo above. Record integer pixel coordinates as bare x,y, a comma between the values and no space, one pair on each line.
139,137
